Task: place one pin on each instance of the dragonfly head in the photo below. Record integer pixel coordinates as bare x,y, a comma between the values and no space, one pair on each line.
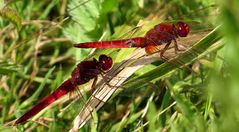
105,62
182,29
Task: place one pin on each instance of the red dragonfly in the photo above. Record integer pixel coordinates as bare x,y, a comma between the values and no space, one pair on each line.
160,34
84,71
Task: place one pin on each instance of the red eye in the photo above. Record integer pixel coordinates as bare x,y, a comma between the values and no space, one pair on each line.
183,29
106,62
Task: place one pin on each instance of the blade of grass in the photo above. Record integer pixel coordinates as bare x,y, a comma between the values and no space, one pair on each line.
38,91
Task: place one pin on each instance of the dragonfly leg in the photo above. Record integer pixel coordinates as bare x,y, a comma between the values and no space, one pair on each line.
164,49
107,82
94,84
176,48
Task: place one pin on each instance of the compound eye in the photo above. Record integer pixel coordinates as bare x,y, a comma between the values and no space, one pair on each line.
183,29
105,62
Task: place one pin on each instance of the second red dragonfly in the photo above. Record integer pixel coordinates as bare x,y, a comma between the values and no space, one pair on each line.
160,34
84,71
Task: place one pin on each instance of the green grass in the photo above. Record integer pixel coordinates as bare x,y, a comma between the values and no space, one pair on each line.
36,56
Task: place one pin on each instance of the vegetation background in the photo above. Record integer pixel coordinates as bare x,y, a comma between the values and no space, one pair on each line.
36,55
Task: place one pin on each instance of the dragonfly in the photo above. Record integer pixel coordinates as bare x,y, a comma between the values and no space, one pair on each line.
158,35
83,73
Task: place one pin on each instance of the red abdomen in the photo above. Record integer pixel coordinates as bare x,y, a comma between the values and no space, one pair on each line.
59,92
125,43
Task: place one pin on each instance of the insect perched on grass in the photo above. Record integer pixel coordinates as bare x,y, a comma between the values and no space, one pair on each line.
160,34
84,72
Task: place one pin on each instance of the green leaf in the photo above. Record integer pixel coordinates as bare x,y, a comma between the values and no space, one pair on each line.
108,5
84,16
151,117
12,16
